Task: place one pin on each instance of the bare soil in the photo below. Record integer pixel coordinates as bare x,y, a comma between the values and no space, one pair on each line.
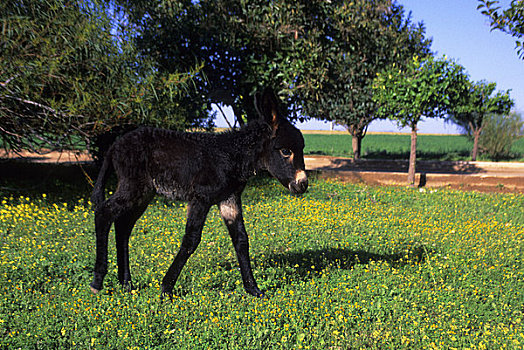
502,177
46,157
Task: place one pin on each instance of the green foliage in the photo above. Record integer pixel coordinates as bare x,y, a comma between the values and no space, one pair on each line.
477,101
474,104
364,38
65,77
425,87
509,20
243,45
499,132
319,55
344,266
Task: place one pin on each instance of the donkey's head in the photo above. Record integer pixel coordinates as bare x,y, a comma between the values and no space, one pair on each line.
283,155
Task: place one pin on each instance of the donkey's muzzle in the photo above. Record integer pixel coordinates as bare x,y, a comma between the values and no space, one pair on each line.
299,184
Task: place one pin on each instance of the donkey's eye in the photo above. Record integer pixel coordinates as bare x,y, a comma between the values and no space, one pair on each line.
286,152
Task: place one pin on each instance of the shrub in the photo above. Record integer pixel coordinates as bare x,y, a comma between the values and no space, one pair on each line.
498,134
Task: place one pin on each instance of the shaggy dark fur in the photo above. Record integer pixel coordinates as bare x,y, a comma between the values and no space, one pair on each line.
202,169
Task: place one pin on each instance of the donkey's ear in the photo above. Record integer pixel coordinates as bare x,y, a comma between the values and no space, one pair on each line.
266,105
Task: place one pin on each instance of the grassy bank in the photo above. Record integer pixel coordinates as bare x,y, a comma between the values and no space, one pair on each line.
344,266
396,146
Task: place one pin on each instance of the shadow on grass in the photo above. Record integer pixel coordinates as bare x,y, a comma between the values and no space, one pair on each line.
464,155
387,165
61,182
310,261
384,154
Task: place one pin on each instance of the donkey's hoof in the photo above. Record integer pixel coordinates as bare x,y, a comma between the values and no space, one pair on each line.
169,296
256,292
166,292
128,287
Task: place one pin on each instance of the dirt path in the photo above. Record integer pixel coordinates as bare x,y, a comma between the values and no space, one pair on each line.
481,176
47,157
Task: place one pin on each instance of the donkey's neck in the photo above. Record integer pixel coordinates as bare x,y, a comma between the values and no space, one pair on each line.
247,145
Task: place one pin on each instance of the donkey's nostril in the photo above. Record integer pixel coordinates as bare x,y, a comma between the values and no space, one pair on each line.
298,187
303,185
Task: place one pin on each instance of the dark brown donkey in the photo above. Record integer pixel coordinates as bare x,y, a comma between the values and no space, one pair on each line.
200,168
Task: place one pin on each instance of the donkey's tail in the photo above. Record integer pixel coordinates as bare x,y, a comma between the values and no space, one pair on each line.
97,197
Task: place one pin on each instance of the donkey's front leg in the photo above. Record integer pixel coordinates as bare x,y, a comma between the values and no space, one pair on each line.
196,217
231,212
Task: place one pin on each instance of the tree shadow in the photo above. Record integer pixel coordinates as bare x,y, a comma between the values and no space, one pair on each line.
421,155
64,182
401,166
310,261
317,153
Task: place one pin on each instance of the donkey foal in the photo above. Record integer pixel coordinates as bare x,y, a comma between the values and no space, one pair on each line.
202,169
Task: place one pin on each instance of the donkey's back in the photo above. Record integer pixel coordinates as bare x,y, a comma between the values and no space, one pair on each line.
183,165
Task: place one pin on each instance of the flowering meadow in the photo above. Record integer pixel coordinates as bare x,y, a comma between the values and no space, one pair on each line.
343,266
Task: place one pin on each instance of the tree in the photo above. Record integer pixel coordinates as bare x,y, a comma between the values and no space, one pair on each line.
426,88
366,36
509,20
320,56
241,45
478,101
65,79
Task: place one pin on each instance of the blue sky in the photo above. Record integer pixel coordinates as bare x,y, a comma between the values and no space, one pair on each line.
461,32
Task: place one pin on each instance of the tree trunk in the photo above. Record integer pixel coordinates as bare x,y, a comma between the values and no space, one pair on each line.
412,156
474,152
356,143
357,132
238,115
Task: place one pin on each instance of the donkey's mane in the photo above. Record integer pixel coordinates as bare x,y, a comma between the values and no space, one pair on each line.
249,140
258,130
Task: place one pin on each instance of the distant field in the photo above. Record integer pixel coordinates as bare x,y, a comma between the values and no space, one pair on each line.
396,146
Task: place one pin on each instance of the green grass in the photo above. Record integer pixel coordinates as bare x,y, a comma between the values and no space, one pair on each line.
344,266
396,146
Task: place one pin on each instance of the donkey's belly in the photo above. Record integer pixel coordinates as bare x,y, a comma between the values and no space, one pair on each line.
171,191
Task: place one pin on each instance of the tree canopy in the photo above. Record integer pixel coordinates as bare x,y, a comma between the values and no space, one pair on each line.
365,38
64,78
425,87
319,55
241,45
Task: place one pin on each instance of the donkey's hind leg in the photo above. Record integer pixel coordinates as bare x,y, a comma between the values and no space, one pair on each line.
196,217
103,221
123,226
123,200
